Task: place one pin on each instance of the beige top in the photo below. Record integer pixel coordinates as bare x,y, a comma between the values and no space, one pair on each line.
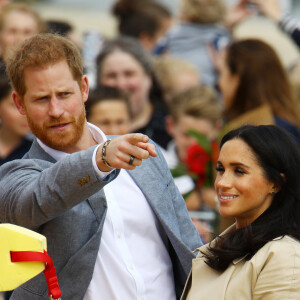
273,273
261,115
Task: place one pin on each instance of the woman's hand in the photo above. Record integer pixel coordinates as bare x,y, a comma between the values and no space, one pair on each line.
270,8
237,13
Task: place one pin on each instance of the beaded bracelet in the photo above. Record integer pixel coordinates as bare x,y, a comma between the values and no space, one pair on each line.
104,153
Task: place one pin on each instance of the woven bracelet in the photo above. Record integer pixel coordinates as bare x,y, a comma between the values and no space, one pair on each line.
104,153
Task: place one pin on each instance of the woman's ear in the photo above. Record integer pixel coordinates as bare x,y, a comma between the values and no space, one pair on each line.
275,189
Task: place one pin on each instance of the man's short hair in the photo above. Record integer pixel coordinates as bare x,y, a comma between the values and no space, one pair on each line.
40,51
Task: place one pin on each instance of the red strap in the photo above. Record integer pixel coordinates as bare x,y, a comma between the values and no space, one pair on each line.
50,273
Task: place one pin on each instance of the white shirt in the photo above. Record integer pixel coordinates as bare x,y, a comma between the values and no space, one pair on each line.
133,261
184,183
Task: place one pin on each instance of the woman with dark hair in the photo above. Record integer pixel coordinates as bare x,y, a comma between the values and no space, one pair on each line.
145,20
13,126
256,88
124,64
258,257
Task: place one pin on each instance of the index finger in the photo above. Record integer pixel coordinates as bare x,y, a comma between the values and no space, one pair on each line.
135,138
149,147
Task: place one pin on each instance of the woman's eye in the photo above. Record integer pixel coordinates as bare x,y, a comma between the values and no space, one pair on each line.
219,169
239,171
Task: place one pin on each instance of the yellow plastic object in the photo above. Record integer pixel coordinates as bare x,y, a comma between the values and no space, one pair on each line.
16,238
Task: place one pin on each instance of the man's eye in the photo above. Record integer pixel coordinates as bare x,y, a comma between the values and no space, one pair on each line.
42,98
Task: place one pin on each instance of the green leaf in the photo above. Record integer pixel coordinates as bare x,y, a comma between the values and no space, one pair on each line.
179,170
201,139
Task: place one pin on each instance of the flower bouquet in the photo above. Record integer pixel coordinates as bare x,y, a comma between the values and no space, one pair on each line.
201,157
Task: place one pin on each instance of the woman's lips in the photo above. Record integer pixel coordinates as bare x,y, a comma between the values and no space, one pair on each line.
226,198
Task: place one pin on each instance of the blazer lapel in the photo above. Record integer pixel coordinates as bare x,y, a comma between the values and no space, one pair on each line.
157,195
98,204
36,152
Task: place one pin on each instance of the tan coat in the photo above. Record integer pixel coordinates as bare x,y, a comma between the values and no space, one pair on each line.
273,273
261,115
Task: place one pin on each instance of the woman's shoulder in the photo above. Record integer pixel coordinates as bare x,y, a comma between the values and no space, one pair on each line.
280,249
284,241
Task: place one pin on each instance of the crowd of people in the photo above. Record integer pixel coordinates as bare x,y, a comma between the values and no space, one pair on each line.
187,142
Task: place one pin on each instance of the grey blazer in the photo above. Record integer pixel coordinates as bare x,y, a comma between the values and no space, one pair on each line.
65,202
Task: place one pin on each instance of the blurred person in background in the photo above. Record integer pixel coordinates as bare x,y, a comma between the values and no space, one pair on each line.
199,25
294,75
65,29
15,136
194,123
108,108
175,75
274,11
256,88
145,20
17,22
3,3
124,64
14,129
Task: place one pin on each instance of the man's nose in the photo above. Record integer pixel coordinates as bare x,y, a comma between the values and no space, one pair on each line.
55,108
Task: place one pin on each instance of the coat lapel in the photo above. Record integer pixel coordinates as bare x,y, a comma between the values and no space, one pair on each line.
98,204
36,152
157,194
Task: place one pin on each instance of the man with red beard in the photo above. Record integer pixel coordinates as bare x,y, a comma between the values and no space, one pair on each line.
116,226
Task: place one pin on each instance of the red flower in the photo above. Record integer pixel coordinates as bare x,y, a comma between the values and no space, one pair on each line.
197,159
201,158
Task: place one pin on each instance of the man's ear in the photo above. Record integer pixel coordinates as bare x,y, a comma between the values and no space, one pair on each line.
18,103
84,88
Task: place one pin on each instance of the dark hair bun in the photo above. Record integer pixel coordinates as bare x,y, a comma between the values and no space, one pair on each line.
125,8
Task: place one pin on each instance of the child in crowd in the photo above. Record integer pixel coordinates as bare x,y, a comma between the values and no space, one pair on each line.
199,27
193,113
108,108
15,139
175,75
145,20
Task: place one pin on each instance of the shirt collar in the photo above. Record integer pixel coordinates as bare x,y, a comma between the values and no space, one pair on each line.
96,132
